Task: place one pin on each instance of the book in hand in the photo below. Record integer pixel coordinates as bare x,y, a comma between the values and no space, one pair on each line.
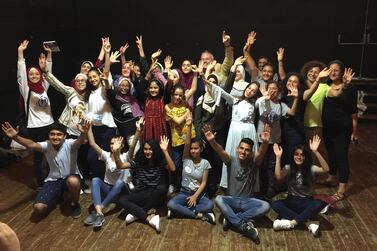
53,45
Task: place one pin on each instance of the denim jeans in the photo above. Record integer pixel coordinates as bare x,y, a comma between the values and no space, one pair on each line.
178,204
110,192
239,210
298,208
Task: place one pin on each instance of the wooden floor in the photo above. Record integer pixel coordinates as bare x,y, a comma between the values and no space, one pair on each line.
353,226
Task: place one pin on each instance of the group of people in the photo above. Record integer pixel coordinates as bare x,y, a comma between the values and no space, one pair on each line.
155,131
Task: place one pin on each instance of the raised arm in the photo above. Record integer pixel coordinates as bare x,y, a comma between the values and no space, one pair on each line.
84,129
186,149
194,85
279,173
265,137
250,62
294,93
337,90
281,70
314,144
139,129
210,136
13,134
59,86
143,60
122,51
229,55
21,68
309,92
232,75
164,143
93,143
117,146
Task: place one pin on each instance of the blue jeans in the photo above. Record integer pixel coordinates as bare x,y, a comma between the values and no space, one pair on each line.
239,210
298,208
178,204
110,192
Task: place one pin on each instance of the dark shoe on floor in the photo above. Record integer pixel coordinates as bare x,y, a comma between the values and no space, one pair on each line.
209,217
76,210
91,218
100,219
248,230
226,224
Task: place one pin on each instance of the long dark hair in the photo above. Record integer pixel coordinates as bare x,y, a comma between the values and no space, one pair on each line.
157,156
301,86
305,167
160,91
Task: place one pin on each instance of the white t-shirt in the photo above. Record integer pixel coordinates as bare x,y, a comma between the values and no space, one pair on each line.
39,104
62,162
112,173
99,109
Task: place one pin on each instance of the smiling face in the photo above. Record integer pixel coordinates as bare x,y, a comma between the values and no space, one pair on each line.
137,71
298,157
56,138
94,79
148,152
34,76
335,73
239,74
207,58
153,89
195,150
313,73
267,72
186,66
80,85
251,90
126,70
178,96
173,77
244,151
293,81
262,62
124,87
85,67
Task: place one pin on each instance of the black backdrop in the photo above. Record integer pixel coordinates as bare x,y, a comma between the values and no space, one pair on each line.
306,29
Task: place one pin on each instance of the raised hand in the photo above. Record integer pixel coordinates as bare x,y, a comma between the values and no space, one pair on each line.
47,49
314,143
23,45
200,67
85,127
207,131
156,54
139,124
292,91
211,65
265,135
117,143
251,38
123,48
139,42
347,76
164,143
42,62
280,54
226,39
113,57
324,73
239,61
278,150
168,62
106,46
9,130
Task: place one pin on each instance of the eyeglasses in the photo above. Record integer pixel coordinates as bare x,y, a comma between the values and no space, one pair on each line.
80,80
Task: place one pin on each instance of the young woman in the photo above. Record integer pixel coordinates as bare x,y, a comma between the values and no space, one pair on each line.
150,179
115,179
176,112
299,206
191,201
339,119
36,103
271,110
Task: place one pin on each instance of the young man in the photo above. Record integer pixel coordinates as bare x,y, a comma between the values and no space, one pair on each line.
61,155
239,206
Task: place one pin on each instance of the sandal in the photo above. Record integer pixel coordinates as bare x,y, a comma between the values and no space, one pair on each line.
338,196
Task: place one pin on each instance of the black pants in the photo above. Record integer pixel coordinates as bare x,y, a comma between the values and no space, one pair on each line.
337,142
139,202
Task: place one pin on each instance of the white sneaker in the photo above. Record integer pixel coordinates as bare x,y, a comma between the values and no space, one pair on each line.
131,186
282,224
169,214
314,229
171,189
325,209
155,223
130,218
87,190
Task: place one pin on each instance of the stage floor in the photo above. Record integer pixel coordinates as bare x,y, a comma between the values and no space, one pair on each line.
352,226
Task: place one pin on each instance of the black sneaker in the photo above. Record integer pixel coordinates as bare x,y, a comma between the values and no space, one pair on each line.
100,219
250,231
91,218
76,210
209,217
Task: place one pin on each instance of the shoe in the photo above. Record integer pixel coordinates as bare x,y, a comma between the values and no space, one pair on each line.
282,224
155,223
131,186
87,190
248,230
171,189
90,219
81,191
226,224
210,218
314,229
100,219
76,210
169,214
130,218
325,209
